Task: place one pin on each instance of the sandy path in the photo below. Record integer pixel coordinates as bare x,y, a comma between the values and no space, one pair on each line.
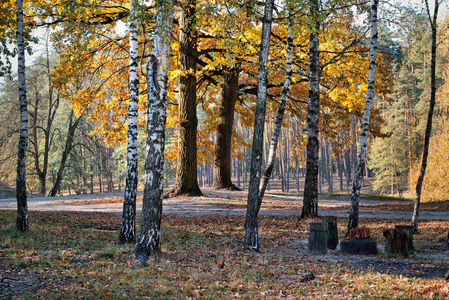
221,202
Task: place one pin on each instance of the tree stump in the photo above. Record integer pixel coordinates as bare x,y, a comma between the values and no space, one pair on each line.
409,229
332,231
359,242
317,238
396,241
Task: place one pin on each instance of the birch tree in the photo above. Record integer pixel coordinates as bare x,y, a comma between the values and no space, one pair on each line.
353,220
128,229
253,202
425,154
280,113
149,239
21,192
310,200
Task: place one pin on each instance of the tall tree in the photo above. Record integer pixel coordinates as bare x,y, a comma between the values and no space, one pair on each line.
73,124
149,240
253,202
280,113
21,192
44,106
353,220
128,229
310,200
186,173
425,154
222,160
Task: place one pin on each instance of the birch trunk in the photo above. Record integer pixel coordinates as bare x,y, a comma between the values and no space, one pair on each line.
280,113
149,240
425,154
253,203
128,228
310,200
21,192
353,220
186,172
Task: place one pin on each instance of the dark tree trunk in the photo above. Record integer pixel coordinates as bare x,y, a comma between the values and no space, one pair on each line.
186,173
128,229
425,154
223,142
149,241
330,188
339,171
253,203
65,154
353,220
310,201
348,172
21,191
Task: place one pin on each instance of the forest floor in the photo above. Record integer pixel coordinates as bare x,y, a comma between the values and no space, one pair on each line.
71,249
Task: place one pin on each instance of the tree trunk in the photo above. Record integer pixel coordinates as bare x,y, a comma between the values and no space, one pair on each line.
223,142
128,228
149,241
280,113
425,154
186,173
339,171
21,192
353,220
65,154
348,173
310,201
35,142
330,187
253,203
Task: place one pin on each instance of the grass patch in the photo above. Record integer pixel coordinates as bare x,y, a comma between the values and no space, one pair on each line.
59,258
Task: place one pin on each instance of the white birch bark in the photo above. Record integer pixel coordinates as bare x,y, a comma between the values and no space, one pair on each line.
252,209
128,229
353,221
280,113
157,75
434,24
22,208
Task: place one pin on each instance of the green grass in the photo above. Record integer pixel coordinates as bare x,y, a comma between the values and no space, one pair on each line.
56,259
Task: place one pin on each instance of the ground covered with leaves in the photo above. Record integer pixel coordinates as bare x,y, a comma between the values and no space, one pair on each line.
76,255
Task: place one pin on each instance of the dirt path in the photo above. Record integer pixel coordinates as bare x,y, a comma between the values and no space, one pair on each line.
217,202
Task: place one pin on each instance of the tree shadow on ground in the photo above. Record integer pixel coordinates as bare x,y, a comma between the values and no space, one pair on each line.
408,269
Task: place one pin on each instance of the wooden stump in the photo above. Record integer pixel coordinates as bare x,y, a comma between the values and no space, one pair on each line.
317,238
396,241
409,229
332,231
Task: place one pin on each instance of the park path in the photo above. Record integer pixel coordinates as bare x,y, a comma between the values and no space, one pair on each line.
217,202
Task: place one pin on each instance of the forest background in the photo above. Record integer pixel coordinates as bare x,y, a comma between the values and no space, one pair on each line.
78,96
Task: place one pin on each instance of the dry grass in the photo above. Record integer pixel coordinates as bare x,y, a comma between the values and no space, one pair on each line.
76,256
